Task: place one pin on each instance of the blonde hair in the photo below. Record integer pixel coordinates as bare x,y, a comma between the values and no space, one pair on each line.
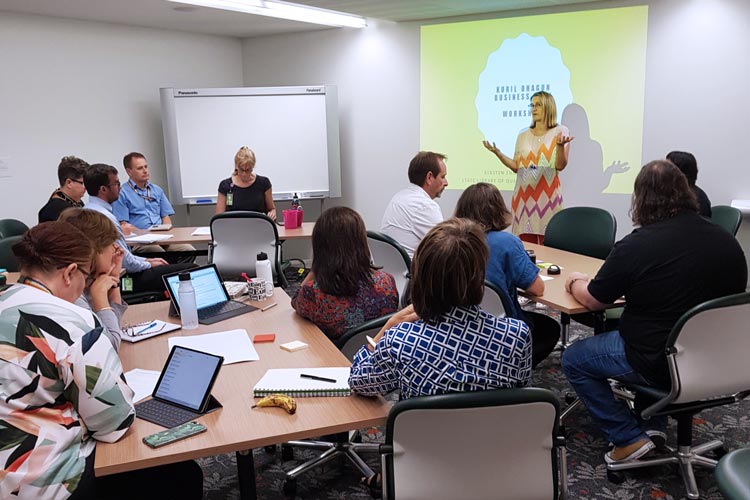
549,107
244,156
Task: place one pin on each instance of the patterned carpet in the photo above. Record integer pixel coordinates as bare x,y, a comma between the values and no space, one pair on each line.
587,478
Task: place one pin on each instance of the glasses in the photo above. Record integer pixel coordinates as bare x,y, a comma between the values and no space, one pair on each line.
535,105
89,278
145,328
116,183
76,181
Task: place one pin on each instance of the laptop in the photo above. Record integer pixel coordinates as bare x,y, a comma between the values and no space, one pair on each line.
212,299
183,391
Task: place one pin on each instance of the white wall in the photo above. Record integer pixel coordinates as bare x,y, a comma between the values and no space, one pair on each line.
696,86
91,90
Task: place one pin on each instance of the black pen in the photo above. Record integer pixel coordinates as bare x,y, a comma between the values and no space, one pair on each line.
315,377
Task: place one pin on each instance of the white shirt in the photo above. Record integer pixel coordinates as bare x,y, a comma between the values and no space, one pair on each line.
409,217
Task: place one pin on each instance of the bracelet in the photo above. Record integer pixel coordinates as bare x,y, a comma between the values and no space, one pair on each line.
105,309
570,287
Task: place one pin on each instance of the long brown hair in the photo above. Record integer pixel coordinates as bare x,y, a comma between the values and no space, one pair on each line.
49,246
483,203
341,257
448,268
661,191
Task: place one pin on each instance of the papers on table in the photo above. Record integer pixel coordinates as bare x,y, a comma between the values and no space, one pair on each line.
546,278
234,345
142,382
143,331
148,238
202,231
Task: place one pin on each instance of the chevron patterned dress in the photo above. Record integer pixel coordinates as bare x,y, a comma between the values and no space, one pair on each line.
537,195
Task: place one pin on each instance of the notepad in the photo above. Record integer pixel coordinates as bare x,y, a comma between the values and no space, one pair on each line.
288,381
146,330
148,238
202,231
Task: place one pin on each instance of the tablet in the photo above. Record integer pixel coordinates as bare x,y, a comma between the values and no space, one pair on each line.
187,378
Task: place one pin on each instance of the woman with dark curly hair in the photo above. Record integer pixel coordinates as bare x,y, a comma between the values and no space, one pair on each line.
674,261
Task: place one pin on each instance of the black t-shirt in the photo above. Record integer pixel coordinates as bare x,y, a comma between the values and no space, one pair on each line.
663,270
52,210
704,205
251,198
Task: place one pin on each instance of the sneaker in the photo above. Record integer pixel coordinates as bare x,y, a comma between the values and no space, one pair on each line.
629,453
658,437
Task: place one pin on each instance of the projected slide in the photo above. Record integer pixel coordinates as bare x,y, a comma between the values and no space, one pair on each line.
477,79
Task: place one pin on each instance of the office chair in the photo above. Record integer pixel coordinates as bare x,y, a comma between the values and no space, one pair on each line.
236,240
727,217
349,343
733,474
494,444
388,254
12,227
495,300
588,231
707,358
7,258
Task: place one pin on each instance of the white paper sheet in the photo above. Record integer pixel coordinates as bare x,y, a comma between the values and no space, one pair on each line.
234,345
148,238
142,382
202,231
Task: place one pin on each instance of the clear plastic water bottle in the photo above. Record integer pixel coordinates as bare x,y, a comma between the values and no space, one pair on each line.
263,271
186,298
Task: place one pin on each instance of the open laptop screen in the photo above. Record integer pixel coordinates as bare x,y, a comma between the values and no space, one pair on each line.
207,285
188,377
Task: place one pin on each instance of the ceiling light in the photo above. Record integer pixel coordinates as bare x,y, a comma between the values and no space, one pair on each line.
283,10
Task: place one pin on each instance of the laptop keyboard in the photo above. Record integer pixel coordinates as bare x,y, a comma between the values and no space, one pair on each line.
219,308
163,414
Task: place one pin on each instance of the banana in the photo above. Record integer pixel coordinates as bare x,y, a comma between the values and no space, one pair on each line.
281,400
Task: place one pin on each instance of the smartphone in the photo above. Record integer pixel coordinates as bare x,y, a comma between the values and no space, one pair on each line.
182,431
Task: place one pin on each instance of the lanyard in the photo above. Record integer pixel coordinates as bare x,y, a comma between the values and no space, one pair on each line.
147,197
26,280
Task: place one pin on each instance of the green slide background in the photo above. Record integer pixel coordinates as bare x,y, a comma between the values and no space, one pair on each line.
605,51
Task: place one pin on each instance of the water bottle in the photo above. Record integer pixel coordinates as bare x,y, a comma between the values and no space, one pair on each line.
263,271
186,299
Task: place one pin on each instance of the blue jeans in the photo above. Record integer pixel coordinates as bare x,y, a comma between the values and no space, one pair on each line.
587,364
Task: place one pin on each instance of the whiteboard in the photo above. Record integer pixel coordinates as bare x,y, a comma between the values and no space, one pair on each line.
292,130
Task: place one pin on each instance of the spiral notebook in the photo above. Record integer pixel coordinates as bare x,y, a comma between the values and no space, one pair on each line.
290,381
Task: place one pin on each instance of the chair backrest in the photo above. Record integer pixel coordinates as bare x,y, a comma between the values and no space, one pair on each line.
388,254
495,300
585,230
7,258
12,227
496,444
707,350
727,217
354,338
237,238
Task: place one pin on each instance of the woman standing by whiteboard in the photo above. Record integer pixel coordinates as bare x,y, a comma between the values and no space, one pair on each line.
541,152
245,190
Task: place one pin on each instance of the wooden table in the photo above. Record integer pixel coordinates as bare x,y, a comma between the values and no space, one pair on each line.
237,427
185,234
555,295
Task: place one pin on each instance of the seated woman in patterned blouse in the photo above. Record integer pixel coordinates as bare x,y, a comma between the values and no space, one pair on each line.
445,342
343,289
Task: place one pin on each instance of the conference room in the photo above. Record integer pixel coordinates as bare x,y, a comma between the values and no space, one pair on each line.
86,81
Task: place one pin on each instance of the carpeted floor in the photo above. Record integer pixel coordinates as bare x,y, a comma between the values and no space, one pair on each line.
587,478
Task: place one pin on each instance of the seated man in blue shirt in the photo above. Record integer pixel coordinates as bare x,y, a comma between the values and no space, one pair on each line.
142,204
103,186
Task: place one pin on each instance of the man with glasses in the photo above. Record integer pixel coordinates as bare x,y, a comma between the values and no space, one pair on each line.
103,186
142,205
71,190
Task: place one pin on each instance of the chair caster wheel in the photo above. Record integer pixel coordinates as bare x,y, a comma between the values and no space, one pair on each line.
287,452
570,397
290,487
615,476
720,452
270,448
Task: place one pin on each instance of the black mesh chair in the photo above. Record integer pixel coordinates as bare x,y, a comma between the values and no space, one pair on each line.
587,231
727,217
236,240
12,227
7,258
341,444
707,357
495,444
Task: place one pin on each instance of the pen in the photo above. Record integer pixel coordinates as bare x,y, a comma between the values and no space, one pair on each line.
315,377
146,328
269,306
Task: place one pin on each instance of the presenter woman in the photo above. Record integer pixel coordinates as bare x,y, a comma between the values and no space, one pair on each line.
541,152
245,190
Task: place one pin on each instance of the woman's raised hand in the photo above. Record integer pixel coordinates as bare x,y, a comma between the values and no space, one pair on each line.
491,147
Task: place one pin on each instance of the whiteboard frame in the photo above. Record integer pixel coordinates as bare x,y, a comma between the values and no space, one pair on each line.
168,95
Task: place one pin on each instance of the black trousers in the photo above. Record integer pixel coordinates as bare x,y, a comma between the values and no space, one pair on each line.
183,480
545,333
150,279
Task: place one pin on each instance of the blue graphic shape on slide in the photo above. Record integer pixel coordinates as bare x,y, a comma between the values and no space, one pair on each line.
514,72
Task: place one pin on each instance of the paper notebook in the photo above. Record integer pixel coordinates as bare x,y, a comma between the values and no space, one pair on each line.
288,381
146,330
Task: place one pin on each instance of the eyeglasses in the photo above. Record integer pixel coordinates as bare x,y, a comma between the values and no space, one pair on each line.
116,183
144,328
535,105
89,278
76,181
